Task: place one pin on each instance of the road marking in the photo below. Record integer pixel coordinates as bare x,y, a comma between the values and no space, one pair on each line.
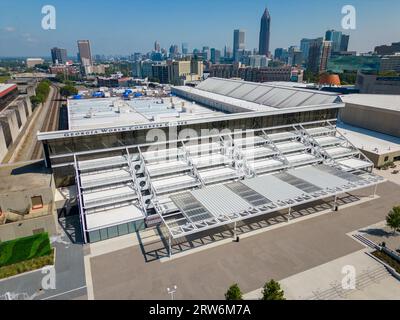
62,293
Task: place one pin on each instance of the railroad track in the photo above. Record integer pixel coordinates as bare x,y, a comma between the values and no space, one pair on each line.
50,122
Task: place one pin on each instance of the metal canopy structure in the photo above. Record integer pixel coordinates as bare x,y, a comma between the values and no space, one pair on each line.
258,96
227,207
195,184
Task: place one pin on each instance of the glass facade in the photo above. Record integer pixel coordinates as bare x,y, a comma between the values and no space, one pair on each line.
64,175
115,231
70,145
341,64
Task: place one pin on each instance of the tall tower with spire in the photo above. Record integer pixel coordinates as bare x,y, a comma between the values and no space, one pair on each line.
263,45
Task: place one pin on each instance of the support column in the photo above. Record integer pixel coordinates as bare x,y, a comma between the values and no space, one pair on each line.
335,203
169,246
289,214
375,189
234,230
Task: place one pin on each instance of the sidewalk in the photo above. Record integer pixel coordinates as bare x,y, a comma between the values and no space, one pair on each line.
325,281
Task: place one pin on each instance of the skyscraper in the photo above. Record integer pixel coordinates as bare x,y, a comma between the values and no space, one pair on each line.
157,46
263,46
215,56
85,55
314,55
305,46
325,55
185,48
335,37
58,55
279,52
344,42
206,53
238,42
227,52
173,51
295,56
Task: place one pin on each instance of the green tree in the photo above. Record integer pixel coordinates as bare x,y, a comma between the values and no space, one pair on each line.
348,78
393,219
68,90
35,100
42,91
272,291
309,76
388,74
233,293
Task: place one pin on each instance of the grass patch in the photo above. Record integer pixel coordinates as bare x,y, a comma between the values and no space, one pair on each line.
22,249
381,255
28,265
4,78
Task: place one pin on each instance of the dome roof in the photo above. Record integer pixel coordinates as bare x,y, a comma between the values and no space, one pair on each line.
329,79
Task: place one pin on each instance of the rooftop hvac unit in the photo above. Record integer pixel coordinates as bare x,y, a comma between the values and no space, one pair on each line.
89,114
123,109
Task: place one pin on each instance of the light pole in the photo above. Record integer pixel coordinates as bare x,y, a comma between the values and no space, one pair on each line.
172,291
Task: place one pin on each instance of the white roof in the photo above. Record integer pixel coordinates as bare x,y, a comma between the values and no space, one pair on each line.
107,112
113,216
381,101
353,163
5,86
214,199
107,193
266,94
176,180
246,105
368,140
216,172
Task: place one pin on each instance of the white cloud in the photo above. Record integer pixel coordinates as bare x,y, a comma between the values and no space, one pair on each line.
9,29
28,37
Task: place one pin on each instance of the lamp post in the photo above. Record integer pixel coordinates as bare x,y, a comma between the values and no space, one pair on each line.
172,291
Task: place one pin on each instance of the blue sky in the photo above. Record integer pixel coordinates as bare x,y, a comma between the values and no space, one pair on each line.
123,27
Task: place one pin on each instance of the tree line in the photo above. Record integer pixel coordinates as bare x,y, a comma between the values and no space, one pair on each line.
42,92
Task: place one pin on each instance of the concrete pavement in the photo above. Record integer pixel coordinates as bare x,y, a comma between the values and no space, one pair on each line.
278,254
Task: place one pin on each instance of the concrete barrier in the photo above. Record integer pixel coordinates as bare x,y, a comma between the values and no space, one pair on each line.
391,270
391,253
22,112
28,106
3,145
28,227
10,117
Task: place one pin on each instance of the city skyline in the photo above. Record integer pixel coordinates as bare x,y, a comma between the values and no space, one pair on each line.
109,35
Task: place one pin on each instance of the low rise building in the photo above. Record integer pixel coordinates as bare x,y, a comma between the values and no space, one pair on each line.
380,148
160,73
376,112
375,84
32,62
113,82
64,69
390,63
26,200
269,74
